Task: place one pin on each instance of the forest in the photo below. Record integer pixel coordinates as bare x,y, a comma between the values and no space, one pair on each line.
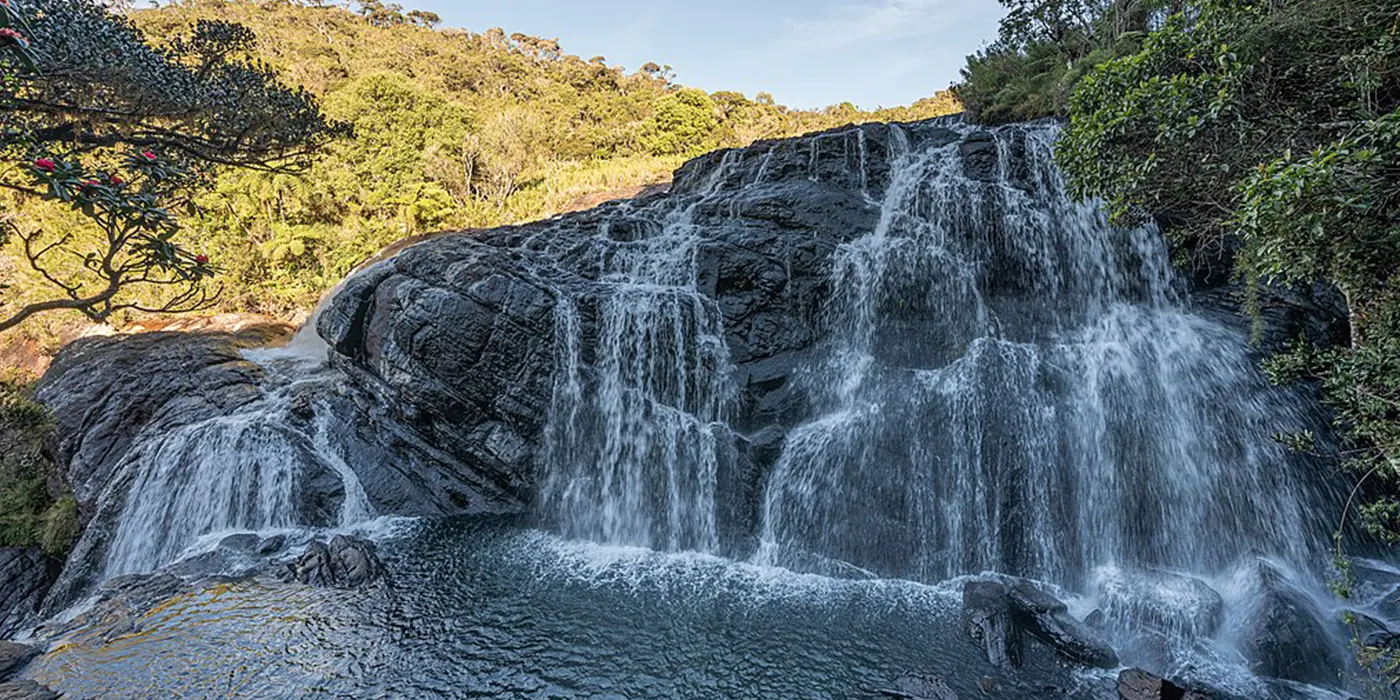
407,128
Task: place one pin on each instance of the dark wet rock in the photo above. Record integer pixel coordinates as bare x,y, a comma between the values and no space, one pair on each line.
981,158
346,562
1047,619
920,686
14,656
272,545
26,690
109,394
241,542
1159,600
106,393
1317,313
987,610
1137,684
1284,636
25,577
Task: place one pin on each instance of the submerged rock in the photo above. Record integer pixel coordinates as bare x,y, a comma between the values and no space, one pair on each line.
346,562
1047,618
26,574
26,690
920,686
1137,684
987,609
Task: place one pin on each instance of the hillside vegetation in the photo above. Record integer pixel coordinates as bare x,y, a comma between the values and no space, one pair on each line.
451,129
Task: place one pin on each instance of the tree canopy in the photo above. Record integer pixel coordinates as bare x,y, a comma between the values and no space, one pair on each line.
113,132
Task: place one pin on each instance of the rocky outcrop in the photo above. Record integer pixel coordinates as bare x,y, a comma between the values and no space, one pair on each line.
346,562
1161,601
997,614
1047,619
106,393
987,609
26,574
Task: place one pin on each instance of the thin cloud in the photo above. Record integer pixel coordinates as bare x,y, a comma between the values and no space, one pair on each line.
887,19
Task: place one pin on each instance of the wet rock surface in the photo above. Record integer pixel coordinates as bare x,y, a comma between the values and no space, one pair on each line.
987,609
1161,601
1046,618
26,574
26,690
13,657
1137,684
1284,637
998,614
344,562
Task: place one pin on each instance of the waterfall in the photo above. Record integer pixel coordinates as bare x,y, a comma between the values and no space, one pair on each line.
1004,382
1011,384
632,450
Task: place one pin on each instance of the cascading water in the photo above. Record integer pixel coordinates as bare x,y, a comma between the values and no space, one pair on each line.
632,452
1010,384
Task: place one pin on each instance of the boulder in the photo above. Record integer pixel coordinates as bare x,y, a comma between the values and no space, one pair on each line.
14,656
26,574
919,686
1158,600
245,542
987,610
1284,635
1047,619
346,562
1137,684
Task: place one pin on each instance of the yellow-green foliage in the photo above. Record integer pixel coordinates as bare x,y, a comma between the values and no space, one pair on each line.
30,513
453,130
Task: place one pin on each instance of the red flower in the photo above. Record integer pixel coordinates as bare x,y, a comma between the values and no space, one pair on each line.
148,156
44,165
201,259
91,183
115,181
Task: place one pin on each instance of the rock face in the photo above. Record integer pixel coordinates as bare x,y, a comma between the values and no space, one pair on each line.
456,336
346,562
25,577
1284,636
109,394
1161,601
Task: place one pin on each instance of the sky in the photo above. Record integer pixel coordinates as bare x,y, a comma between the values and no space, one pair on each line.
807,53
